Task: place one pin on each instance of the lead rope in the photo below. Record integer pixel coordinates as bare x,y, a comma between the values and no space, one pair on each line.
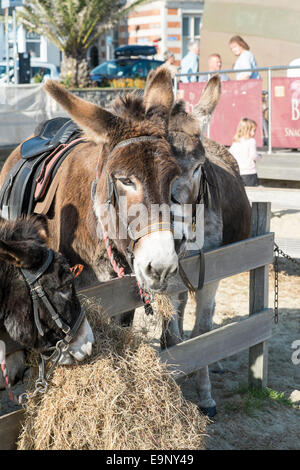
119,270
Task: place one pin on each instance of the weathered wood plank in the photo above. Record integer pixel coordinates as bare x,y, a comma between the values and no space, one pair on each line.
258,298
191,355
10,427
120,295
232,259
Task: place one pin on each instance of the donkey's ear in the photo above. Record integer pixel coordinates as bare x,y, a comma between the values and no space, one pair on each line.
158,94
27,254
208,101
95,121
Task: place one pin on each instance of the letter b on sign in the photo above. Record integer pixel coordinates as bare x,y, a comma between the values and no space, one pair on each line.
295,109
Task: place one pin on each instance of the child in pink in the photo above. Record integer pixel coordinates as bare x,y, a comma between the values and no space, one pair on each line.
244,151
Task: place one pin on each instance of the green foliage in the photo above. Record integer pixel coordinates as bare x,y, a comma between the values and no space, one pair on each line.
67,81
37,78
73,25
253,399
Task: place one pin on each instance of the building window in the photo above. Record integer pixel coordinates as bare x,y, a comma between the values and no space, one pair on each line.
191,26
33,44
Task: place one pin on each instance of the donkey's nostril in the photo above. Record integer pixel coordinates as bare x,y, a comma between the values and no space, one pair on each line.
148,269
171,271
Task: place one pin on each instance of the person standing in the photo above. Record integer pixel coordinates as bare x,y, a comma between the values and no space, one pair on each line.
190,62
244,151
214,66
245,58
169,60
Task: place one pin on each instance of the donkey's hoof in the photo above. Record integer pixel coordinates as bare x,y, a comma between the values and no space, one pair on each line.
209,411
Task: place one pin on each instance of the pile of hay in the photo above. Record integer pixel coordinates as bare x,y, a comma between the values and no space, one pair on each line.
121,398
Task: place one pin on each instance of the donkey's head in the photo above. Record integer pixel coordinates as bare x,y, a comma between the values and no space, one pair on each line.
23,246
135,173
185,132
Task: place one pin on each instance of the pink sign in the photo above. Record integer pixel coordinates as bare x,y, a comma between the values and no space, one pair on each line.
286,112
238,99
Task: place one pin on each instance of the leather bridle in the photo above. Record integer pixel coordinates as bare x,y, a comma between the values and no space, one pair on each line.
113,198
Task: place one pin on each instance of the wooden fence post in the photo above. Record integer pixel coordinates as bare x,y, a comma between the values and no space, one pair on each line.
258,298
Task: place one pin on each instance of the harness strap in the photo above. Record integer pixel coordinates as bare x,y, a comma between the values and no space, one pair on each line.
201,270
31,277
133,140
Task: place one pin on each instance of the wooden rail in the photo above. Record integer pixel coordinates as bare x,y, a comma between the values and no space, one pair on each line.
120,295
254,255
218,344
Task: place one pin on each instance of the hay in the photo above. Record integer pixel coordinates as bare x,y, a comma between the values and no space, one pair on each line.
121,398
162,306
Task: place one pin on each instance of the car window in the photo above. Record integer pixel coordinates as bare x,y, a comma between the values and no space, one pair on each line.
2,70
140,69
41,71
112,67
154,64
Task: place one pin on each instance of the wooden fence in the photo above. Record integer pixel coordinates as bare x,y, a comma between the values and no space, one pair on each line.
254,255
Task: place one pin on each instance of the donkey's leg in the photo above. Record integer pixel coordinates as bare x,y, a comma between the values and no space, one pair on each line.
172,329
205,299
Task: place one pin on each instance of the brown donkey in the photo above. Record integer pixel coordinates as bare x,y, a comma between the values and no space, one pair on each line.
121,160
227,211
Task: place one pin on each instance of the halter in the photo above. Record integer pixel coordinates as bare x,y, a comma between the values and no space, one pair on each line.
38,295
112,193
204,197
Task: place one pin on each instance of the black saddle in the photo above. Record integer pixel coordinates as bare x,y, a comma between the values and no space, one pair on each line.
18,190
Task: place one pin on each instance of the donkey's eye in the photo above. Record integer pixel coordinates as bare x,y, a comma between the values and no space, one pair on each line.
196,171
127,182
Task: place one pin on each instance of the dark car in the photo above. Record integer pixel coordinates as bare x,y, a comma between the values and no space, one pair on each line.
128,64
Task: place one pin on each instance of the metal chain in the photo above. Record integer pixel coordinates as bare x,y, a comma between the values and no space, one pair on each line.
279,252
276,286
284,255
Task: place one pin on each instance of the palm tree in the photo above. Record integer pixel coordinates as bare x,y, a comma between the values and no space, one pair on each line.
73,26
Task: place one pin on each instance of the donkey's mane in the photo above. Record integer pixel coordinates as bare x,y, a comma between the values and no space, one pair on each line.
129,106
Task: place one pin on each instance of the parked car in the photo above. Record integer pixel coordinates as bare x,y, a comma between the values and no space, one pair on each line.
44,69
40,71
130,62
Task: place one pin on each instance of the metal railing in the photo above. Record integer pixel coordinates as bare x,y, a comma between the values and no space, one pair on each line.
269,70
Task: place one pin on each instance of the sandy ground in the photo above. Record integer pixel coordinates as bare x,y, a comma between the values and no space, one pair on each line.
242,422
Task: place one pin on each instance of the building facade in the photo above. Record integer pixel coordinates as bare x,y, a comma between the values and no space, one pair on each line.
39,47
168,24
